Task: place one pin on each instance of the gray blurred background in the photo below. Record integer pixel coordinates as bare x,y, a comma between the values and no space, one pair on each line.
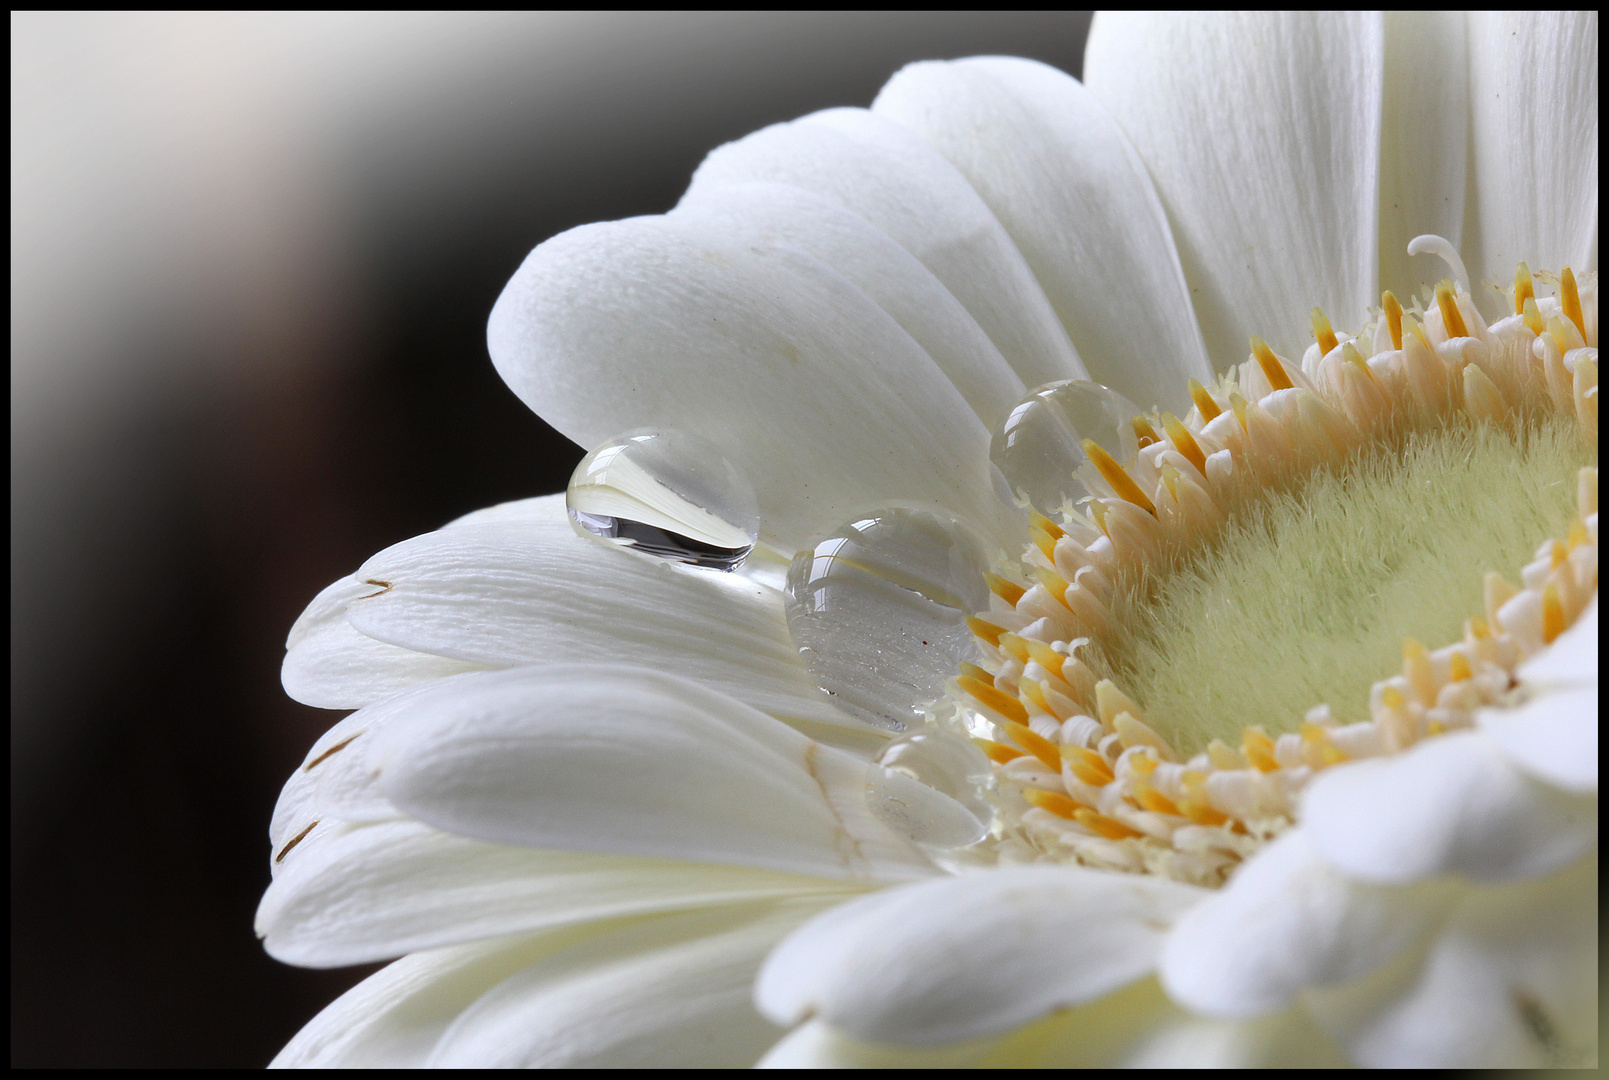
252,258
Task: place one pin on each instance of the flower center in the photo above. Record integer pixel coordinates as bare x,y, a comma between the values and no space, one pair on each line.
1159,672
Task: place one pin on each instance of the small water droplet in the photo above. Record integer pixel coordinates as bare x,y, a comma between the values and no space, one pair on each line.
946,763
667,494
878,611
914,810
1039,450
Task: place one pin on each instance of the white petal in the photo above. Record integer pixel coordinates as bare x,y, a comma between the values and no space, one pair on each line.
971,956
1055,169
504,595
331,666
668,993
1572,659
351,894
1424,149
795,374
1453,804
1287,921
394,1018
628,761
1533,79
1262,134
1512,982
894,180
871,261
1100,1034
1554,737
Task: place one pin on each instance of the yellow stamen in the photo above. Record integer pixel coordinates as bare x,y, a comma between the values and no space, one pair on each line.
1035,692
1197,810
1184,442
1110,701
1560,334
1417,331
1122,483
1451,317
1037,745
1145,432
1001,702
1044,524
1238,404
1478,628
1043,541
1009,591
1203,401
1087,765
1392,698
1133,732
1323,333
1273,370
1416,666
1103,826
1259,749
1533,316
1097,510
1552,614
1458,668
1055,803
1315,735
1053,582
1046,657
1523,289
973,671
1350,354
1482,399
1142,763
1577,534
986,630
1224,756
998,752
1150,799
1016,646
1570,301
1393,310
1558,553
1498,592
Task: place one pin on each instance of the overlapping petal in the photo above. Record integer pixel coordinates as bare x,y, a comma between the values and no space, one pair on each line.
890,177
768,353
1288,921
629,761
871,261
522,588
961,958
1452,805
1262,134
1534,142
1053,166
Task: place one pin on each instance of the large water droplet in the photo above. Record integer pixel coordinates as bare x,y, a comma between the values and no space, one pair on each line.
878,610
946,763
1039,448
915,810
668,494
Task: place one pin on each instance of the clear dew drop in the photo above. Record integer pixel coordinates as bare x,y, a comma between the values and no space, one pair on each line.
1039,450
915,810
667,494
946,763
878,610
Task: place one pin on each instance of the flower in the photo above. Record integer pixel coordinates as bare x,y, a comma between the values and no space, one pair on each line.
597,801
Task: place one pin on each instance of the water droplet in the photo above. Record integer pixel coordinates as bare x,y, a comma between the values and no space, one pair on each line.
913,809
878,610
667,494
946,763
1039,448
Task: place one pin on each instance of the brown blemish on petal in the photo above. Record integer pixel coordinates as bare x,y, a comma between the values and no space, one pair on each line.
385,588
342,745
297,839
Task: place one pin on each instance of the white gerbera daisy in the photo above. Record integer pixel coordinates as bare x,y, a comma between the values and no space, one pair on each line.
1109,767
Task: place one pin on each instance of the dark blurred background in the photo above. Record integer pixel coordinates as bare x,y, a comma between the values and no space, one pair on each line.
252,260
